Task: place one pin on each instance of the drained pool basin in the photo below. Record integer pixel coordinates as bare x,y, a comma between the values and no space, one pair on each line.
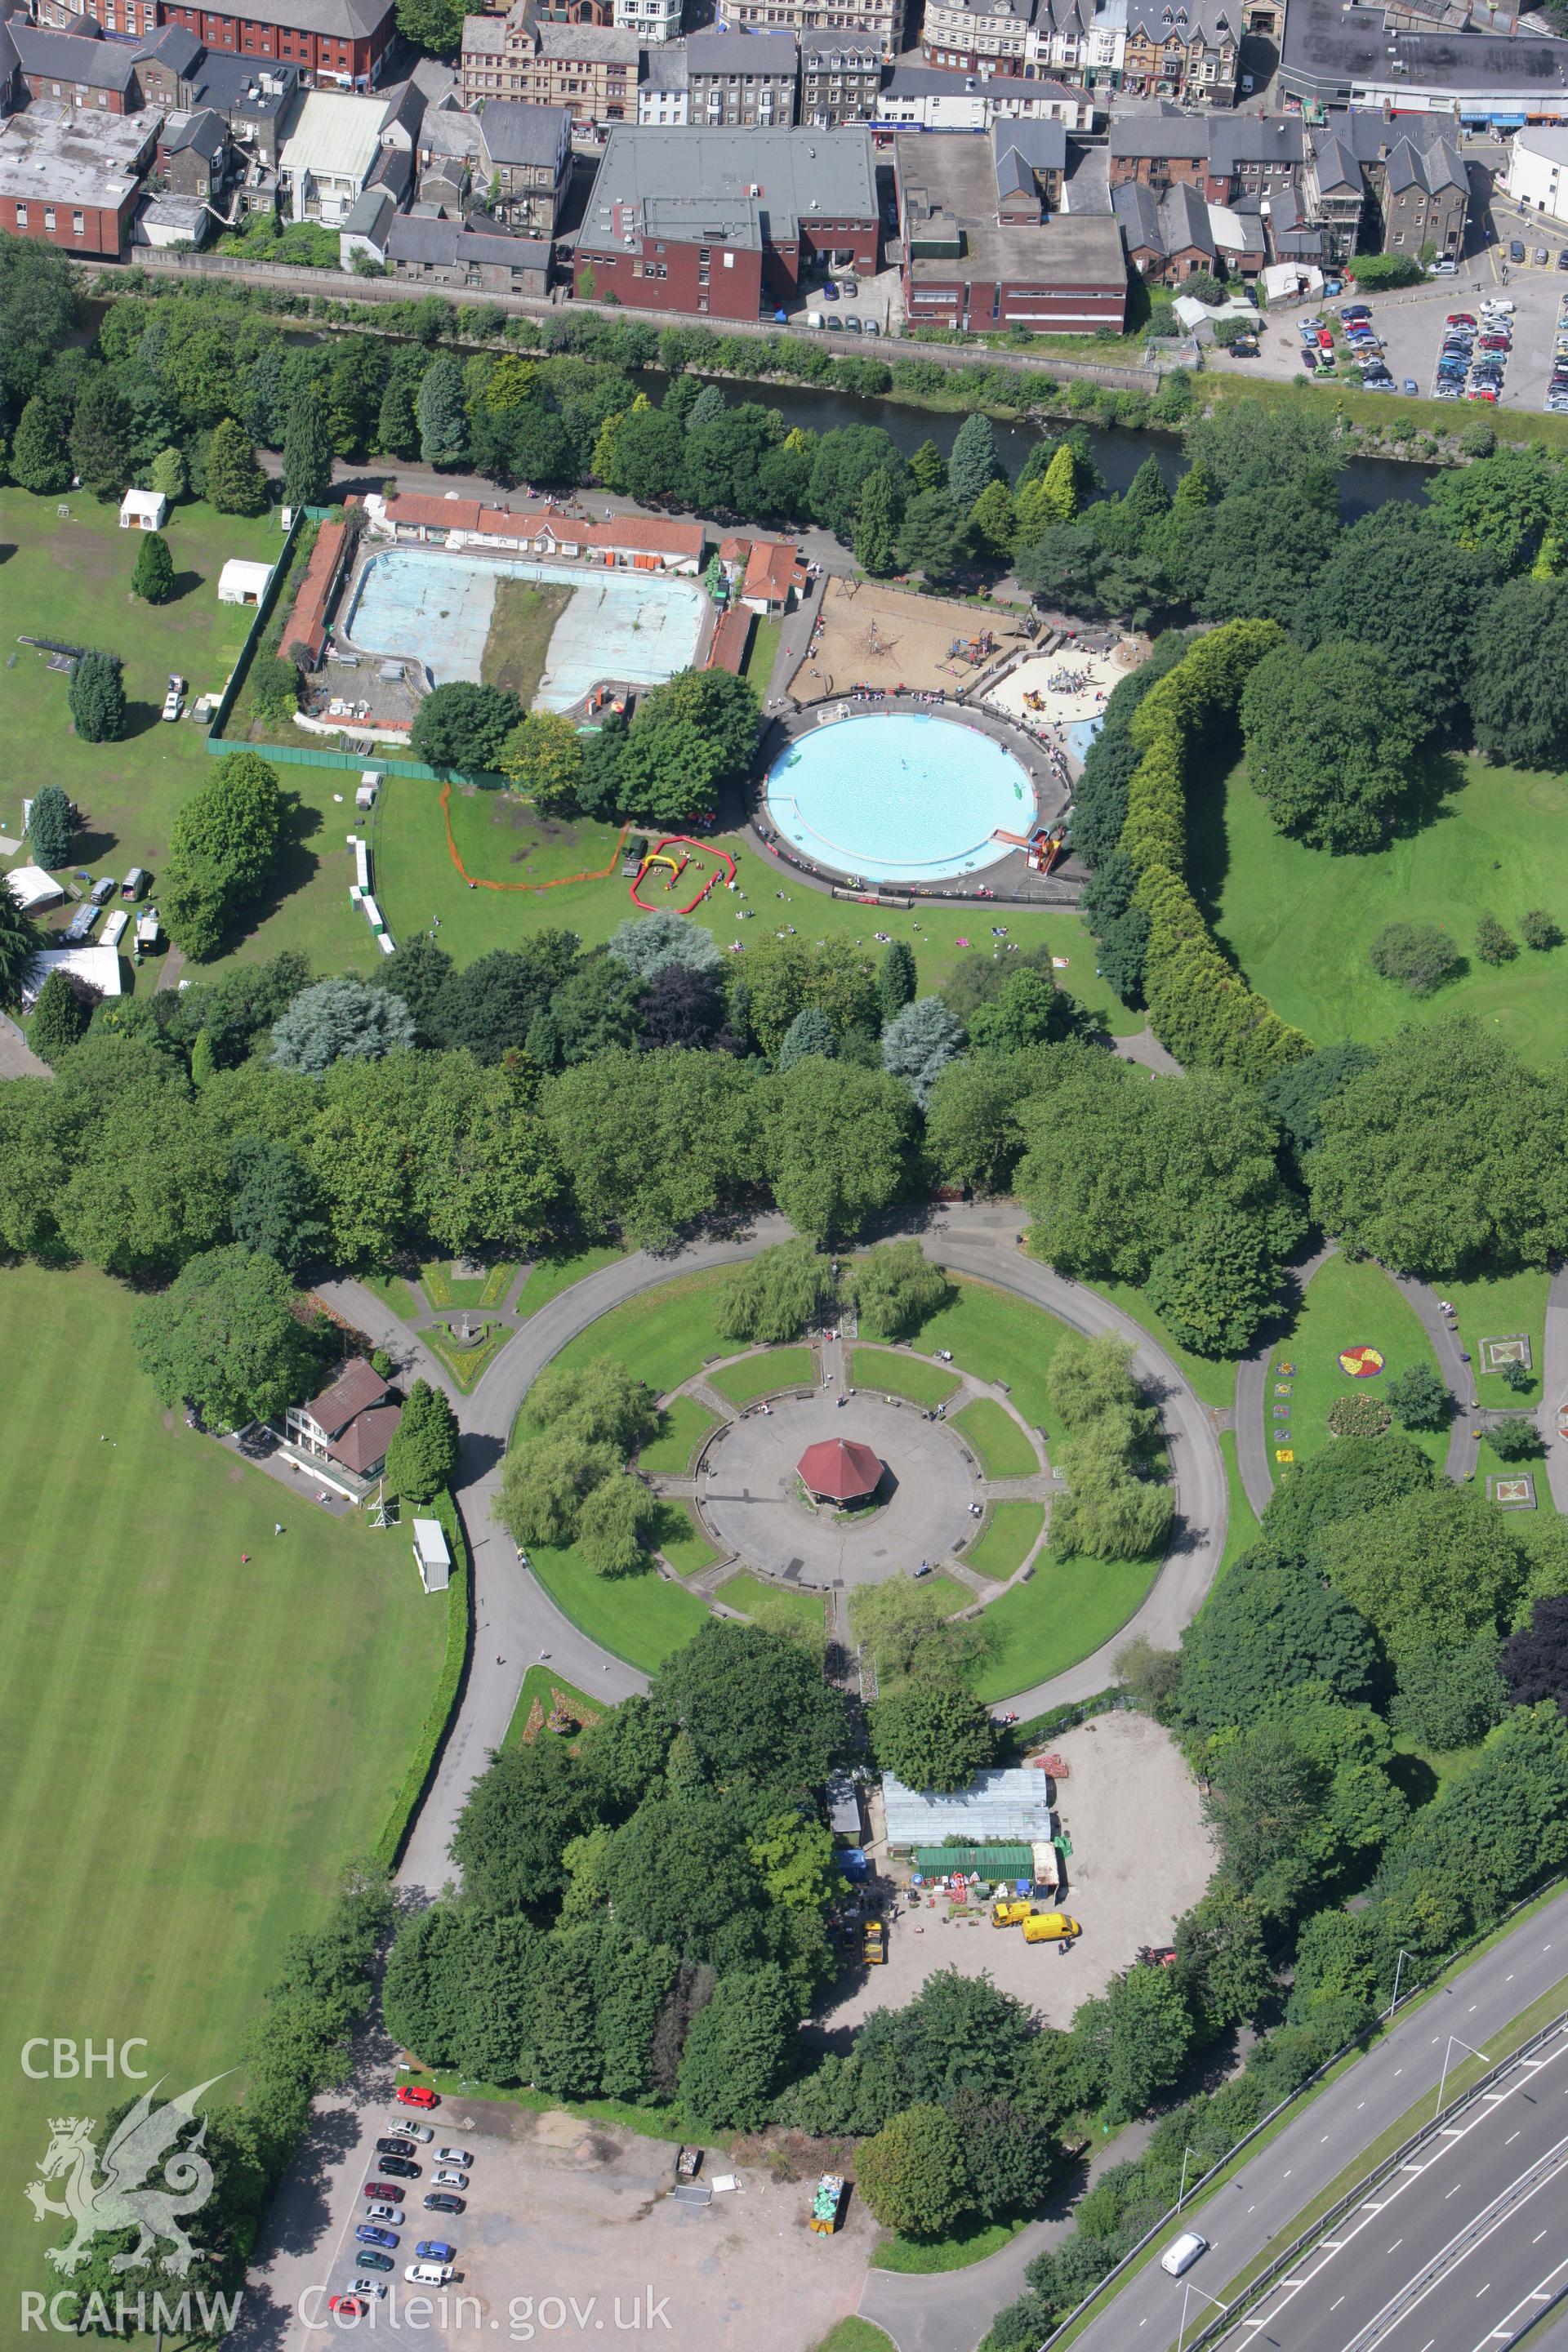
900,797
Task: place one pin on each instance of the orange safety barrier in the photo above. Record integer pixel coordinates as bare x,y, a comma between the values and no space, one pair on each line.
478,882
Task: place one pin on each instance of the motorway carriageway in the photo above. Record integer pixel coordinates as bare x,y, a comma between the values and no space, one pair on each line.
1462,2249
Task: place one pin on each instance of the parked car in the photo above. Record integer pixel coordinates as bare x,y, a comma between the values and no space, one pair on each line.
435,2249
348,2305
1448,391
387,2190
1182,2252
450,2177
830,294
414,2094
1325,341
439,2202
1355,310
379,2213
366,2285
851,320
394,2147
413,2131
102,890
404,2167
1464,318
370,2234
849,288
1515,250
1310,361
368,2261
1487,392
1410,388
1446,267
453,2155
872,328
1496,344
1541,258
429,2273
172,705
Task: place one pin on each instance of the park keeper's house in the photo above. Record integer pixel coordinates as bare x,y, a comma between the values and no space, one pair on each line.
343,1436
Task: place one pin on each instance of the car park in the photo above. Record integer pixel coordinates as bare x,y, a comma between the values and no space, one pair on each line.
440,2201
455,2156
450,2177
435,2249
1182,2252
369,2233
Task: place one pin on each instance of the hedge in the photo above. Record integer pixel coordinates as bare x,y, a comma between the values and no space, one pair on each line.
1199,1009
444,1701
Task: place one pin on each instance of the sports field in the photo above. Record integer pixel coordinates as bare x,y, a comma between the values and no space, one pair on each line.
1299,922
190,1748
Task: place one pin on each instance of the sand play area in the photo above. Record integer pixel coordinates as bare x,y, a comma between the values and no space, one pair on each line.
1065,689
867,634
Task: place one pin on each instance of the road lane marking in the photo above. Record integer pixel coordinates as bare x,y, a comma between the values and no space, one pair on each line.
1509,2141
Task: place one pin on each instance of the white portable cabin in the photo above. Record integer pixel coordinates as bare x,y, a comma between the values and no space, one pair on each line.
143,510
114,928
431,1553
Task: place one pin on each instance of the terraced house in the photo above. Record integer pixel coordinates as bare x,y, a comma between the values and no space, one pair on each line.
1184,50
591,68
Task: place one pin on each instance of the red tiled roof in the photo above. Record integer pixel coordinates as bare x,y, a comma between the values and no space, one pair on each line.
355,1390
638,534
841,1468
731,638
772,569
362,1445
307,621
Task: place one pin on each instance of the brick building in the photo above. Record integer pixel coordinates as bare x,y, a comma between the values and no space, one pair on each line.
1158,151
726,223
591,68
525,154
735,80
976,36
881,21
448,253
625,542
342,44
80,69
840,78
965,267
74,180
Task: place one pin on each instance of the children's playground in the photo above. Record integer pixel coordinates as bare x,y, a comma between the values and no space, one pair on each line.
677,873
867,634
1063,694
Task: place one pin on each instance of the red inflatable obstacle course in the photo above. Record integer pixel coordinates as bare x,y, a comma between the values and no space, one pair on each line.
674,852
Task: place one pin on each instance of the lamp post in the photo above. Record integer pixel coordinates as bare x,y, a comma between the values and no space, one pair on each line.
1448,2055
1398,1964
1183,2190
1188,2289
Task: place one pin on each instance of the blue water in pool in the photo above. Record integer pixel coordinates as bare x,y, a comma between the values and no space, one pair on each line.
900,797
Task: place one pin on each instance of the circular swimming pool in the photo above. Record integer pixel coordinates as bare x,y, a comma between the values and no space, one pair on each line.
900,797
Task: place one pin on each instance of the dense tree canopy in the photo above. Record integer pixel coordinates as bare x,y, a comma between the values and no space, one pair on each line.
1331,737
224,1338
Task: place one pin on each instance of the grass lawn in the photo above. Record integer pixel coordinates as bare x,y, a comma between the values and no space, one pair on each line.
924,2255
1241,1526
444,1288
498,840
1299,921
1066,1609
1211,1381
684,1423
998,1336
1000,1445
640,1617
547,1276
521,625
855,2335
763,651
682,1540
395,1294
1496,1310
191,1749
547,1690
1347,1305
1007,1540
900,1375
741,1589
466,1364
664,1336
755,1376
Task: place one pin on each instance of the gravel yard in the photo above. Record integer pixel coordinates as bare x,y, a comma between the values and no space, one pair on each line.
1141,1855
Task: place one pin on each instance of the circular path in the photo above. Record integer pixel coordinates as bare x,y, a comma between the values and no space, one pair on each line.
516,1623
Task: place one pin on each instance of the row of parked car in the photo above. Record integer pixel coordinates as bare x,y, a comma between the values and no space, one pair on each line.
1474,358
1363,343
1556,400
378,2237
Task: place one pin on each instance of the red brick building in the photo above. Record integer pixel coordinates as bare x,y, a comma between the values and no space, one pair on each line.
965,265
74,180
341,43
82,70
726,224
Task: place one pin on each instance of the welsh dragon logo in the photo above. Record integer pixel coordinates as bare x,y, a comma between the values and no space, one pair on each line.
124,2198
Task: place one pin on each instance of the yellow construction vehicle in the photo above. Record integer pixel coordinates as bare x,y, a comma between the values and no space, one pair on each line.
1010,1911
1050,1927
874,1949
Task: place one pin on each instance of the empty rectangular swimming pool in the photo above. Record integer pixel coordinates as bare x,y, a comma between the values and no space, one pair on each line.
436,607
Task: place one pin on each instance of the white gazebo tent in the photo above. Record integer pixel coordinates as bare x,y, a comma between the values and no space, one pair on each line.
431,1553
32,889
242,582
143,510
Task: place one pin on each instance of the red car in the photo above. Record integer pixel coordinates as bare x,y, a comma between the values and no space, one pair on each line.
383,2192
1496,344
413,2094
1459,319
349,2305
1325,340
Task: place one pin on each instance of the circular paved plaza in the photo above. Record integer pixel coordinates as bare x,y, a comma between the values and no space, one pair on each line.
750,1495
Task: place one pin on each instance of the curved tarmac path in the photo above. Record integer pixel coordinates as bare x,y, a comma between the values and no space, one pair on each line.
516,1623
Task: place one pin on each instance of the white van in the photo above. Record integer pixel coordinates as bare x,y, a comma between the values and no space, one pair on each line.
114,928
1179,2255
429,2273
